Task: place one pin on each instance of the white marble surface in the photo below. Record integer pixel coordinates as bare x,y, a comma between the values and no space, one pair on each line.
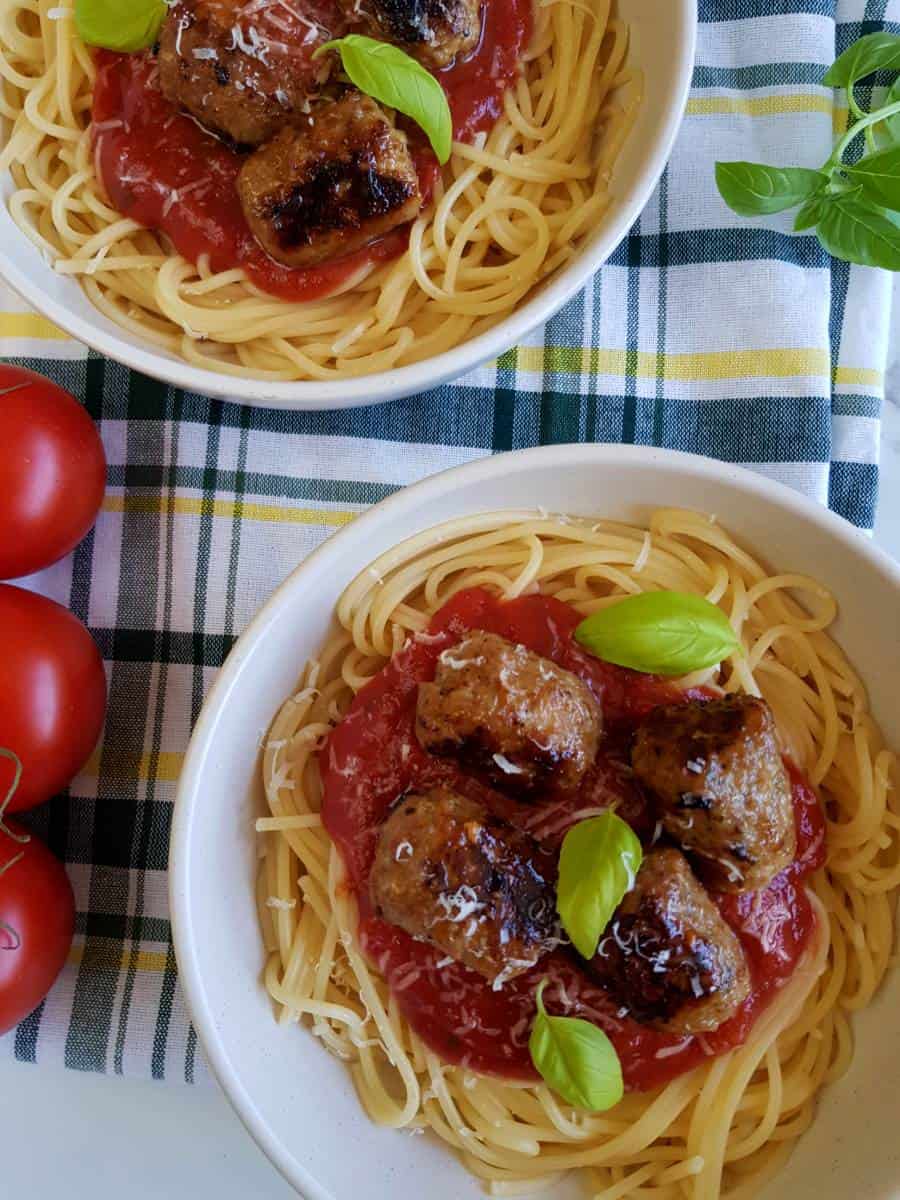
122,1139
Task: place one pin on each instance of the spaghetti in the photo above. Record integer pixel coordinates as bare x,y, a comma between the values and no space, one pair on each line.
512,207
725,1127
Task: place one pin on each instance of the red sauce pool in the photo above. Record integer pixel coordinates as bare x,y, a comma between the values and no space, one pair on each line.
373,756
163,170
475,86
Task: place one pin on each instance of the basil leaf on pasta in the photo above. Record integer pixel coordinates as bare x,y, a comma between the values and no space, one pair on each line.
597,865
576,1059
660,633
388,74
124,25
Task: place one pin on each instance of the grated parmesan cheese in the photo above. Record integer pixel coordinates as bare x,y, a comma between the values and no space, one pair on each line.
460,904
427,639
670,1051
459,664
506,766
641,561
95,262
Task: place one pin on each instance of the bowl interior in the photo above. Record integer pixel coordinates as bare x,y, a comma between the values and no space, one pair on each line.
663,45
298,1101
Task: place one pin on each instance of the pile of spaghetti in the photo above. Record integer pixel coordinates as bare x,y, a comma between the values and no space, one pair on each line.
726,1127
512,207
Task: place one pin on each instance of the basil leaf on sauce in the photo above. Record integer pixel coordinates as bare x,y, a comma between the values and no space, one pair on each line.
124,25
597,865
576,1059
660,633
389,75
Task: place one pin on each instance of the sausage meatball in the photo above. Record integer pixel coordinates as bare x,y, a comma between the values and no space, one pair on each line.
451,874
667,955
327,187
722,789
519,718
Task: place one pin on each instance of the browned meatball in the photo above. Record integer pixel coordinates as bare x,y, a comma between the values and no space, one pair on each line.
519,718
328,187
243,74
723,791
447,871
667,955
436,32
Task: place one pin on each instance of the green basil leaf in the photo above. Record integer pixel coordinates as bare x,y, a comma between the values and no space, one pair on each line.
597,865
874,52
810,213
660,633
388,74
889,130
852,229
879,176
576,1058
753,189
124,25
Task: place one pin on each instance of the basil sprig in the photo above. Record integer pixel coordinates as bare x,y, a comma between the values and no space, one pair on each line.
123,25
576,1059
853,206
389,75
597,865
661,633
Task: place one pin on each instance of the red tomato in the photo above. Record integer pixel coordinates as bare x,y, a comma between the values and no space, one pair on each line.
52,695
52,472
37,919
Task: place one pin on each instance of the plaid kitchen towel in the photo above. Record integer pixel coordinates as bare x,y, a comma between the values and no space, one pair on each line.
704,332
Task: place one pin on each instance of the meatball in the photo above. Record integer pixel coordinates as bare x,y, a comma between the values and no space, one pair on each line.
436,32
327,187
519,718
243,75
668,956
723,791
451,874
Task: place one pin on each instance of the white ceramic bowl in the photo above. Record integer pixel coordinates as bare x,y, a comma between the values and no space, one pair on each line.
298,1101
664,33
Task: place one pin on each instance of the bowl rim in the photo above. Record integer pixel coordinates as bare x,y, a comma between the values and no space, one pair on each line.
378,388
415,497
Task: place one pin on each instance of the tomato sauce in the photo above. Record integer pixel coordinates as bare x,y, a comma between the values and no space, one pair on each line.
162,169
373,756
475,86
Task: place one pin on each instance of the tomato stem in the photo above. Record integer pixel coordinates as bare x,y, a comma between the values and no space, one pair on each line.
17,387
21,838
12,934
